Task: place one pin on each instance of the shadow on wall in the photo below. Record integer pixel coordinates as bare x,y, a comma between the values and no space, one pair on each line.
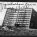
33,21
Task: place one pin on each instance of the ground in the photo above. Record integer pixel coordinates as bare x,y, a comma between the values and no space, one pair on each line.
19,32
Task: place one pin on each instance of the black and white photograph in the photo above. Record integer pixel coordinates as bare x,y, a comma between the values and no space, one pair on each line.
18,18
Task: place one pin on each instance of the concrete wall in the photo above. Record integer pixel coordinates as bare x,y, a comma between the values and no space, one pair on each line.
2,14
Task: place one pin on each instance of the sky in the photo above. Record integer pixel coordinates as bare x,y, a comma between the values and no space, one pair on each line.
33,5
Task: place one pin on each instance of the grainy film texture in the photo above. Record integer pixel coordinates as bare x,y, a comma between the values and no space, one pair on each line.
18,18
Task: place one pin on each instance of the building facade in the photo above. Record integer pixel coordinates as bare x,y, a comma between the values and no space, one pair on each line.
17,17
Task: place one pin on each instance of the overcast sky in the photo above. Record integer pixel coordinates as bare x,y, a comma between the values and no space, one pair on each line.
33,4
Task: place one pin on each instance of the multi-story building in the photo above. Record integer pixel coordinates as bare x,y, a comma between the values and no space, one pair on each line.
17,17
